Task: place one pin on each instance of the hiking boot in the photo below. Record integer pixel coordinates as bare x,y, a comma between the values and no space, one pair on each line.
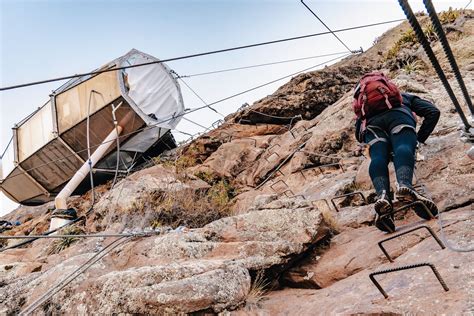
384,219
409,195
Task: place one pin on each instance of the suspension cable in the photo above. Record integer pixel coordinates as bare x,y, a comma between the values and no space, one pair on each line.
6,148
180,115
79,236
447,50
196,123
198,55
196,94
434,61
68,279
279,79
467,4
327,27
274,116
259,65
91,176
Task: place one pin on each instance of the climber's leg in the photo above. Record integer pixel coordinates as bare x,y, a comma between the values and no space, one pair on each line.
404,145
378,171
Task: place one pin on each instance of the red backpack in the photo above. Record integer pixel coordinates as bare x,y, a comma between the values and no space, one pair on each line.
375,94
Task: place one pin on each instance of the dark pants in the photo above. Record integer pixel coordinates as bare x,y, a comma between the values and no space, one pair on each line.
392,138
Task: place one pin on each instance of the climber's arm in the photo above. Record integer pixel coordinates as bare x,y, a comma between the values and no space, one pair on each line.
430,116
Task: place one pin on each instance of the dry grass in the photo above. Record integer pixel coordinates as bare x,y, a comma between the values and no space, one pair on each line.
449,16
59,245
195,209
186,207
258,288
331,221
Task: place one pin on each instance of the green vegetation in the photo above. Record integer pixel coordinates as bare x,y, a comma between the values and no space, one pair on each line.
449,16
430,33
407,38
412,66
60,244
206,176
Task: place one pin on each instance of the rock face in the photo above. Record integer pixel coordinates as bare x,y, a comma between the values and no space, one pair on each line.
206,268
288,157
306,94
130,191
410,291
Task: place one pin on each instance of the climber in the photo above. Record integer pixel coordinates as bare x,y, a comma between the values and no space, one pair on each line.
386,122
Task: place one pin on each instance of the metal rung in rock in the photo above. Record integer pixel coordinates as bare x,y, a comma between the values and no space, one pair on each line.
440,243
407,267
346,195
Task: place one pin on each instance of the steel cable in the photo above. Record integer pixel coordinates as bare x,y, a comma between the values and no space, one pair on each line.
327,27
68,279
181,115
447,50
443,237
6,148
197,55
258,65
434,61
198,96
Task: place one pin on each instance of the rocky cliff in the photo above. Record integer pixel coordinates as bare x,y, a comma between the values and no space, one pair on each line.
242,220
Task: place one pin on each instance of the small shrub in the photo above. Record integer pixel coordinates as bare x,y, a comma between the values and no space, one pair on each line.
449,16
407,38
60,244
220,194
156,224
206,176
184,162
430,32
411,66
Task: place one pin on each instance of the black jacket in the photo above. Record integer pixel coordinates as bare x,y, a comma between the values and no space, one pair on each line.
422,108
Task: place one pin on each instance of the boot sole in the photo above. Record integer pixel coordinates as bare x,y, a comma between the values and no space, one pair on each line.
382,207
407,195
384,220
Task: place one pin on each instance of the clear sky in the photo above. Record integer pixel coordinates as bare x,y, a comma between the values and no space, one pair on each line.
49,38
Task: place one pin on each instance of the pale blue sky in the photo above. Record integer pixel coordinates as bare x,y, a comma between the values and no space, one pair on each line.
45,39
